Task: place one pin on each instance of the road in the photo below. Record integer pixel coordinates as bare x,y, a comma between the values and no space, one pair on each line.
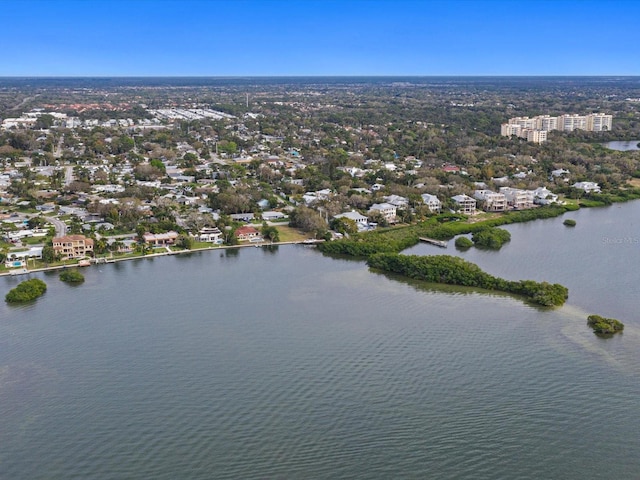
57,152
61,227
68,175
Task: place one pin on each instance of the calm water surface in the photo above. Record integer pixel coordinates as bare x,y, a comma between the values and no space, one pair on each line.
288,364
623,146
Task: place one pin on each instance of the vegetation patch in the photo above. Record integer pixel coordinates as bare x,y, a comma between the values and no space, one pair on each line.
71,276
604,326
456,271
492,238
26,291
463,242
569,222
440,227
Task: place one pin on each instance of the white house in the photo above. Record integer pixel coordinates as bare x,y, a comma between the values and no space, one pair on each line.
433,202
543,196
492,201
362,222
588,187
209,235
355,216
397,200
518,199
387,210
466,204
272,215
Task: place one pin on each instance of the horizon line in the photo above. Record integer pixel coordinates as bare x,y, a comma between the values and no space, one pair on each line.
327,75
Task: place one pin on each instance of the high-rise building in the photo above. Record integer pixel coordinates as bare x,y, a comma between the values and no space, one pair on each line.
599,122
535,129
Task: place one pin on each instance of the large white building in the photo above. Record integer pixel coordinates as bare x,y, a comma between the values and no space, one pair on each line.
535,129
491,201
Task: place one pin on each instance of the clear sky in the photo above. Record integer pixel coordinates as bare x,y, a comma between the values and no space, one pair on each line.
319,37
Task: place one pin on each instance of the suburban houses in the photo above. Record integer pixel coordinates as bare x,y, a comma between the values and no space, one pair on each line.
128,186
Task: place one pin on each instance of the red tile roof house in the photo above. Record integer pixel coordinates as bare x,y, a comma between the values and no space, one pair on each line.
73,246
247,233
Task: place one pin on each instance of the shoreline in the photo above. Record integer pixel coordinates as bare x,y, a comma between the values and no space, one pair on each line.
161,254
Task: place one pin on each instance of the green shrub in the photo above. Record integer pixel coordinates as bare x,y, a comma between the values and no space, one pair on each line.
491,238
569,222
26,291
72,276
463,242
601,325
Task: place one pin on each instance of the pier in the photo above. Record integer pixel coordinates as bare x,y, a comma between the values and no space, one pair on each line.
437,243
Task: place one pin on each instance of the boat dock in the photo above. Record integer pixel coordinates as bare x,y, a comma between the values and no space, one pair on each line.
437,243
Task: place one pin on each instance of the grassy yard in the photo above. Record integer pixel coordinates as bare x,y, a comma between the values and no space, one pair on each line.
289,234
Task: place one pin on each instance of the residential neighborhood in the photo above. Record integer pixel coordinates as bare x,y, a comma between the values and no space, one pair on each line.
81,180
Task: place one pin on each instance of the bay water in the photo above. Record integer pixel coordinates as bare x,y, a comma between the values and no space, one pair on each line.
284,363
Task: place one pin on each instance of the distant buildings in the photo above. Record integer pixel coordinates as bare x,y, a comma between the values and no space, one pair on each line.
535,129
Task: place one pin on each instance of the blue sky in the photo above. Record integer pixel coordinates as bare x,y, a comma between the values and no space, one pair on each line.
319,37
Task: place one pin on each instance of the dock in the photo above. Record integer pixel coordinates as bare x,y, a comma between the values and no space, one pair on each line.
437,243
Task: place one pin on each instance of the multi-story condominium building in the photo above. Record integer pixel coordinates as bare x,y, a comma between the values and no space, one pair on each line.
491,201
73,246
599,122
465,203
535,129
569,123
547,123
537,136
508,129
518,199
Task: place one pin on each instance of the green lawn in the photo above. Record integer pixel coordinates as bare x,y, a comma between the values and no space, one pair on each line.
289,234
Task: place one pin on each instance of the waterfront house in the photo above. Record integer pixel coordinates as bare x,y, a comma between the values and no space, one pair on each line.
491,201
209,235
543,196
160,239
247,233
518,199
387,210
19,259
73,246
465,204
362,222
587,187
433,202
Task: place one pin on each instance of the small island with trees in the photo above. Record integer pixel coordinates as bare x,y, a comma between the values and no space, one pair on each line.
71,276
26,291
492,238
463,243
569,222
456,271
604,326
